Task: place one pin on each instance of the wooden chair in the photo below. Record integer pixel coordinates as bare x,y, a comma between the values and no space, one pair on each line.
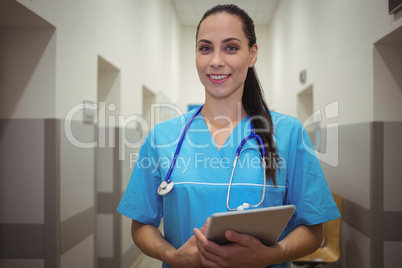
330,249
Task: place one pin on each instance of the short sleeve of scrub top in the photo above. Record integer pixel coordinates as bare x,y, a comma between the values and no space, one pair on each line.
301,172
141,201
202,174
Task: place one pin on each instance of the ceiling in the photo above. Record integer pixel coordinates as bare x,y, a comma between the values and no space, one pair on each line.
191,11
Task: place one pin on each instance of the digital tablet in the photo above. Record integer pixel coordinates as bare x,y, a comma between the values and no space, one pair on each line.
266,224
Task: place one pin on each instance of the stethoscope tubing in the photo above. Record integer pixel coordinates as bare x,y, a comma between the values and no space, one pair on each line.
176,154
231,183
167,185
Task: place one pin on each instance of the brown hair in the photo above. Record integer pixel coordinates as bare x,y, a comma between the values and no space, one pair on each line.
253,98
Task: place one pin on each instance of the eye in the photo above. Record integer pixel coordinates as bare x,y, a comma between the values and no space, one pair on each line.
232,48
204,48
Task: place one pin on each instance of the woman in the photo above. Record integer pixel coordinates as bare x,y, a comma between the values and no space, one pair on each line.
234,107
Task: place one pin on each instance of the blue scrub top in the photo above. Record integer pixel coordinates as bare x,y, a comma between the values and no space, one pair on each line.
202,173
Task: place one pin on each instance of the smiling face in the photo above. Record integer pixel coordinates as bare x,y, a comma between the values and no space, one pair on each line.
223,56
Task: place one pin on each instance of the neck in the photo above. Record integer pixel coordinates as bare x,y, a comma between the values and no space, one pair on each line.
221,116
221,112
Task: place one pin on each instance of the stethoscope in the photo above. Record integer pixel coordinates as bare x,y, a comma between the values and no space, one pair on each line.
167,185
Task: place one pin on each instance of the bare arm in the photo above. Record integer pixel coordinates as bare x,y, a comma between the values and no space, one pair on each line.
302,241
247,251
151,242
149,239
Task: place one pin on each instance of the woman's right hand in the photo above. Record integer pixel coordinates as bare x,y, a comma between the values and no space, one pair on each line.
188,256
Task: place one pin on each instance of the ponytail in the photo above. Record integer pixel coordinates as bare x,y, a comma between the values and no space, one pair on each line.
256,107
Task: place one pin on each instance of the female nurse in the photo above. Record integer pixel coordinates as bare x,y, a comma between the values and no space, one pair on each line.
226,52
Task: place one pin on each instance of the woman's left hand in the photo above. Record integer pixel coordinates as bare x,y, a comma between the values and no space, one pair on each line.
243,251
247,251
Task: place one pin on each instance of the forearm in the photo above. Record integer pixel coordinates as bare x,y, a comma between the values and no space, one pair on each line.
151,242
302,241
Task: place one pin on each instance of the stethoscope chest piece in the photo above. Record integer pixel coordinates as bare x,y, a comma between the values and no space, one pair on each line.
165,187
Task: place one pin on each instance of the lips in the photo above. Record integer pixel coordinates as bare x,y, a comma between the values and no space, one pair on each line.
218,78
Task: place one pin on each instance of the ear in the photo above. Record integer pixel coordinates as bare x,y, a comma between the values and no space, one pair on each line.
253,55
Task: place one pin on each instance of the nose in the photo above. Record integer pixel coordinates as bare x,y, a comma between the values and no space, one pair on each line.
217,60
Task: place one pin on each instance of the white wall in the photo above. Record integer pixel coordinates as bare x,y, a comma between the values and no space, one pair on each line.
262,66
27,67
387,77
191,89
333,41
140,38
336,43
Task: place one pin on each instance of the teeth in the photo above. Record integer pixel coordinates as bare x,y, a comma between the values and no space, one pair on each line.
218,77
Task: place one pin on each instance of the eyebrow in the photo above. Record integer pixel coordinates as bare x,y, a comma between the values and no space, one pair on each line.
223,41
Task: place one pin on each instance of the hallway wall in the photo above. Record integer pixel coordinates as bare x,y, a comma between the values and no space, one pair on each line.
332,41
52,212
350,52
140,38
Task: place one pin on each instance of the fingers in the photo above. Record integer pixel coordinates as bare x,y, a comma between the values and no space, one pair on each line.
240,239
199,235
190,256
205,227
207,248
